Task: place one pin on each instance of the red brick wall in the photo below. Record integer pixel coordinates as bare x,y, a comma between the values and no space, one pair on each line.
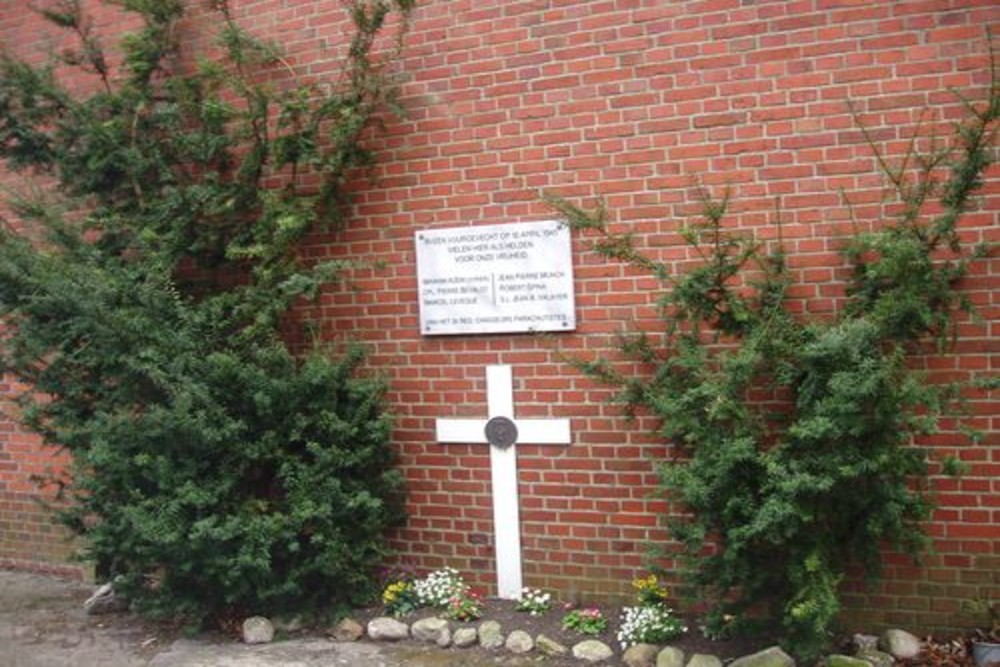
634,101
29,538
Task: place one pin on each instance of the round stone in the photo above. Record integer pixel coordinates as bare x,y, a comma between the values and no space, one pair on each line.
592,650
640,655
549,646
464,637
671,656
432,631
900,644
347,630
491,635
387,629
519,641
257,630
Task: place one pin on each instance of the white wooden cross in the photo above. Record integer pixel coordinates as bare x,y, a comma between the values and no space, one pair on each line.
503,468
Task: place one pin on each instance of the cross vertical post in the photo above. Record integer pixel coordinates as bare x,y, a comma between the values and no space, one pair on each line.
503,467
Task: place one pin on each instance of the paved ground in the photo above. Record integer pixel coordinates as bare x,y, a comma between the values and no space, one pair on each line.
42,624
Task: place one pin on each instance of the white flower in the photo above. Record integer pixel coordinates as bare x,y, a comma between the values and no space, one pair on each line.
651,624
438,587
534,601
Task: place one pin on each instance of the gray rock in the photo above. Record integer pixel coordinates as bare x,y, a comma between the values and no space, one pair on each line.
704,660
670,657
490,635
864,643
432,630
592,650
104,601
876,658
387,629
347,630
464,637
900,644
519,641
548,646
258,630
769,657
640,655
844,661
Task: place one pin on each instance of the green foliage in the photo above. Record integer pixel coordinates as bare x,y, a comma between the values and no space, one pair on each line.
588,621
214,471
399,599
534,601
784,495
464,607
648,624
651,620
439,587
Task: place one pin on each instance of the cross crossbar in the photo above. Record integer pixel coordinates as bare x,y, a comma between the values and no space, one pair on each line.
503,468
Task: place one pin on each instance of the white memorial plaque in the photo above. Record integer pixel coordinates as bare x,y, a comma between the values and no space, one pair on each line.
496,278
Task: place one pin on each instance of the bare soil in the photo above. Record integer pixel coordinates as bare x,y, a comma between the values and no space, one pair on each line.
550,624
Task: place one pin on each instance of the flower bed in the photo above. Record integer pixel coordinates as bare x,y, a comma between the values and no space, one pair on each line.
649,619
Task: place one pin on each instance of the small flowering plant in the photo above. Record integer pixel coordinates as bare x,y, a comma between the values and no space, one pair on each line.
588,621
438,588
649,592
400,599
654,624
465,606
534,601
720,626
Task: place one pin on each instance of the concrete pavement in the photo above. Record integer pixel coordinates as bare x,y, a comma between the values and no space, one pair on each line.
42,624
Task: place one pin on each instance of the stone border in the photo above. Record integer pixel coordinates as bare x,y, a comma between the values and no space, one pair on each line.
870,651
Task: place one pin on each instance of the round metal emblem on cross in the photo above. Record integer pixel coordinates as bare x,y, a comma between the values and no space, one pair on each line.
501,432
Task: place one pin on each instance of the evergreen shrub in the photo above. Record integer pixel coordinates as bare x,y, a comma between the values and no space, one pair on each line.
143,293
776,500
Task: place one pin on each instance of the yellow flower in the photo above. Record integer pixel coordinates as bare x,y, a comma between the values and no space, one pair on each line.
649,590
393,591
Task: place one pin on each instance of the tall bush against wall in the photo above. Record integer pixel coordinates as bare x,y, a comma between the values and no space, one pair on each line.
143,294
796,435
